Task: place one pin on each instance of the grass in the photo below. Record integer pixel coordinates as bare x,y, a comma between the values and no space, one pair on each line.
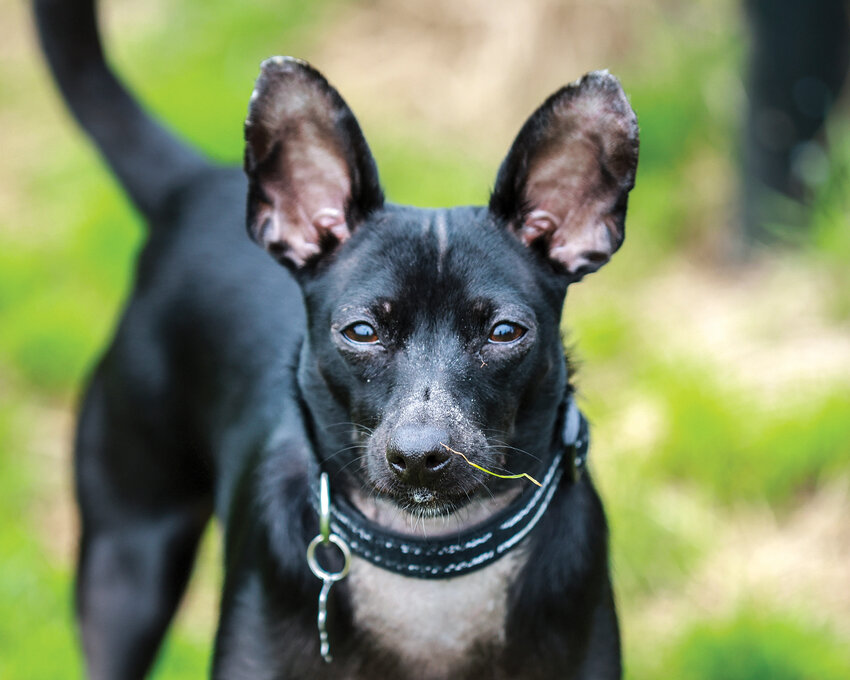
684,448
739,450
758,645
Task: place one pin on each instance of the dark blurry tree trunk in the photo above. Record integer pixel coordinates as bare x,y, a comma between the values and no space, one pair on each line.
799,61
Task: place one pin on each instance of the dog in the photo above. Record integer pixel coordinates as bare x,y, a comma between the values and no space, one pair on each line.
339,414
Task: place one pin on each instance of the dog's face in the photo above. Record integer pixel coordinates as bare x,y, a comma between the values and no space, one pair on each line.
434,333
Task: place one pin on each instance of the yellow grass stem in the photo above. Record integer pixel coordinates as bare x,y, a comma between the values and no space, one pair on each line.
495,474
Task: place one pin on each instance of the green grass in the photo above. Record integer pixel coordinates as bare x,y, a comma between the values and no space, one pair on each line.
197,69
652,552
758,645
418,173
738,449
35,628
830,244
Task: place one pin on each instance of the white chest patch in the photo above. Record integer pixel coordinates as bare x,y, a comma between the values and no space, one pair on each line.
432,625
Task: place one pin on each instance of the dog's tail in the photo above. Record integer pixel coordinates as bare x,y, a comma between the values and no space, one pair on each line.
147,159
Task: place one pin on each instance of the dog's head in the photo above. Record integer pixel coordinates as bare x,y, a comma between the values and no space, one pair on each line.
434,333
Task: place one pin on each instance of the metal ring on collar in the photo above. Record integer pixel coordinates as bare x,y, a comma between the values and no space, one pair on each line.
317,569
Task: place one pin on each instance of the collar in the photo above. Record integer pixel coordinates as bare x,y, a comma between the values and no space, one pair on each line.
467,551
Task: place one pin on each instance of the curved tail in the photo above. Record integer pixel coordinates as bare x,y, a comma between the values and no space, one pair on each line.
147,159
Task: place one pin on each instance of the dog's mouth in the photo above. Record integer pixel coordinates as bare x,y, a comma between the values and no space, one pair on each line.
423,470
427,503
422,511
422,501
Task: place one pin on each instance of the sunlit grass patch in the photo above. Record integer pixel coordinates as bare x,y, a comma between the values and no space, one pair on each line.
59,295
36,632
49,341
654,547
686,112
602,333
209,108
36,622
181,658
429,175
20,275
740,449
831,219
757,645
103,244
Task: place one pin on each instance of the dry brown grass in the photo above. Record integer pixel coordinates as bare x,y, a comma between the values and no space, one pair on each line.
467,71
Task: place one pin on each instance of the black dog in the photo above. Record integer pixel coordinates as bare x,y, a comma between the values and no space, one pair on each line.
394,342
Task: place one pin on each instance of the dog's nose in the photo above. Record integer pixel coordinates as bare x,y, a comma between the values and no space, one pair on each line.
416,453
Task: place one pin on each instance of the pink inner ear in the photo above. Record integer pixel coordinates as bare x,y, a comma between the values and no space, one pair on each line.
302,147
570,207
582,169
308,199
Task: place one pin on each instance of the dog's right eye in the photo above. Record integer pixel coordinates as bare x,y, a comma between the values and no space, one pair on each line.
506,332
360,333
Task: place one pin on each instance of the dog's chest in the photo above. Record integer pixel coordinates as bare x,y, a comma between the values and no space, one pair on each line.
433,627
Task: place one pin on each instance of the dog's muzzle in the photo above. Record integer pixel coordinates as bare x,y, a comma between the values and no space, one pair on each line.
446,557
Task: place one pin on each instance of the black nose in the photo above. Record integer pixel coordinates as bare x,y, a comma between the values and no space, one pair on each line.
416,453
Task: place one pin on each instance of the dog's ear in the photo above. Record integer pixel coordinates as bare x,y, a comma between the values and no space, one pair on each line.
312,178
564,185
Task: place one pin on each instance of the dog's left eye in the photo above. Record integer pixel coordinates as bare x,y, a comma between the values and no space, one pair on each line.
505,331
361,333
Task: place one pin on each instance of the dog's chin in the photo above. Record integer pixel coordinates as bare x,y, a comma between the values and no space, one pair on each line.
425,503
426,511
420,502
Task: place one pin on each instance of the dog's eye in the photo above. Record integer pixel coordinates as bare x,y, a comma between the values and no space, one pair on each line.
361,333
505,331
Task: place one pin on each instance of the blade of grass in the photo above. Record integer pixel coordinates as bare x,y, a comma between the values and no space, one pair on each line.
494,474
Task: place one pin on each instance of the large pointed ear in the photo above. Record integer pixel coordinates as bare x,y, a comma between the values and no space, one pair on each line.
564,185
312,178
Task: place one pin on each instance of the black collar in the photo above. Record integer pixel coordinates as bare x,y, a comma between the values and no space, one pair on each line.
467,551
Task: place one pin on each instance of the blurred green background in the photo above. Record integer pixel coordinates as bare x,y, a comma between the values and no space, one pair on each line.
718,385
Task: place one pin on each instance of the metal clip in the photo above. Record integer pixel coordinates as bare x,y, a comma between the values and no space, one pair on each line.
328,578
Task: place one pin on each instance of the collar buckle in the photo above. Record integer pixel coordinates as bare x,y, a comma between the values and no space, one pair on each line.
576,437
